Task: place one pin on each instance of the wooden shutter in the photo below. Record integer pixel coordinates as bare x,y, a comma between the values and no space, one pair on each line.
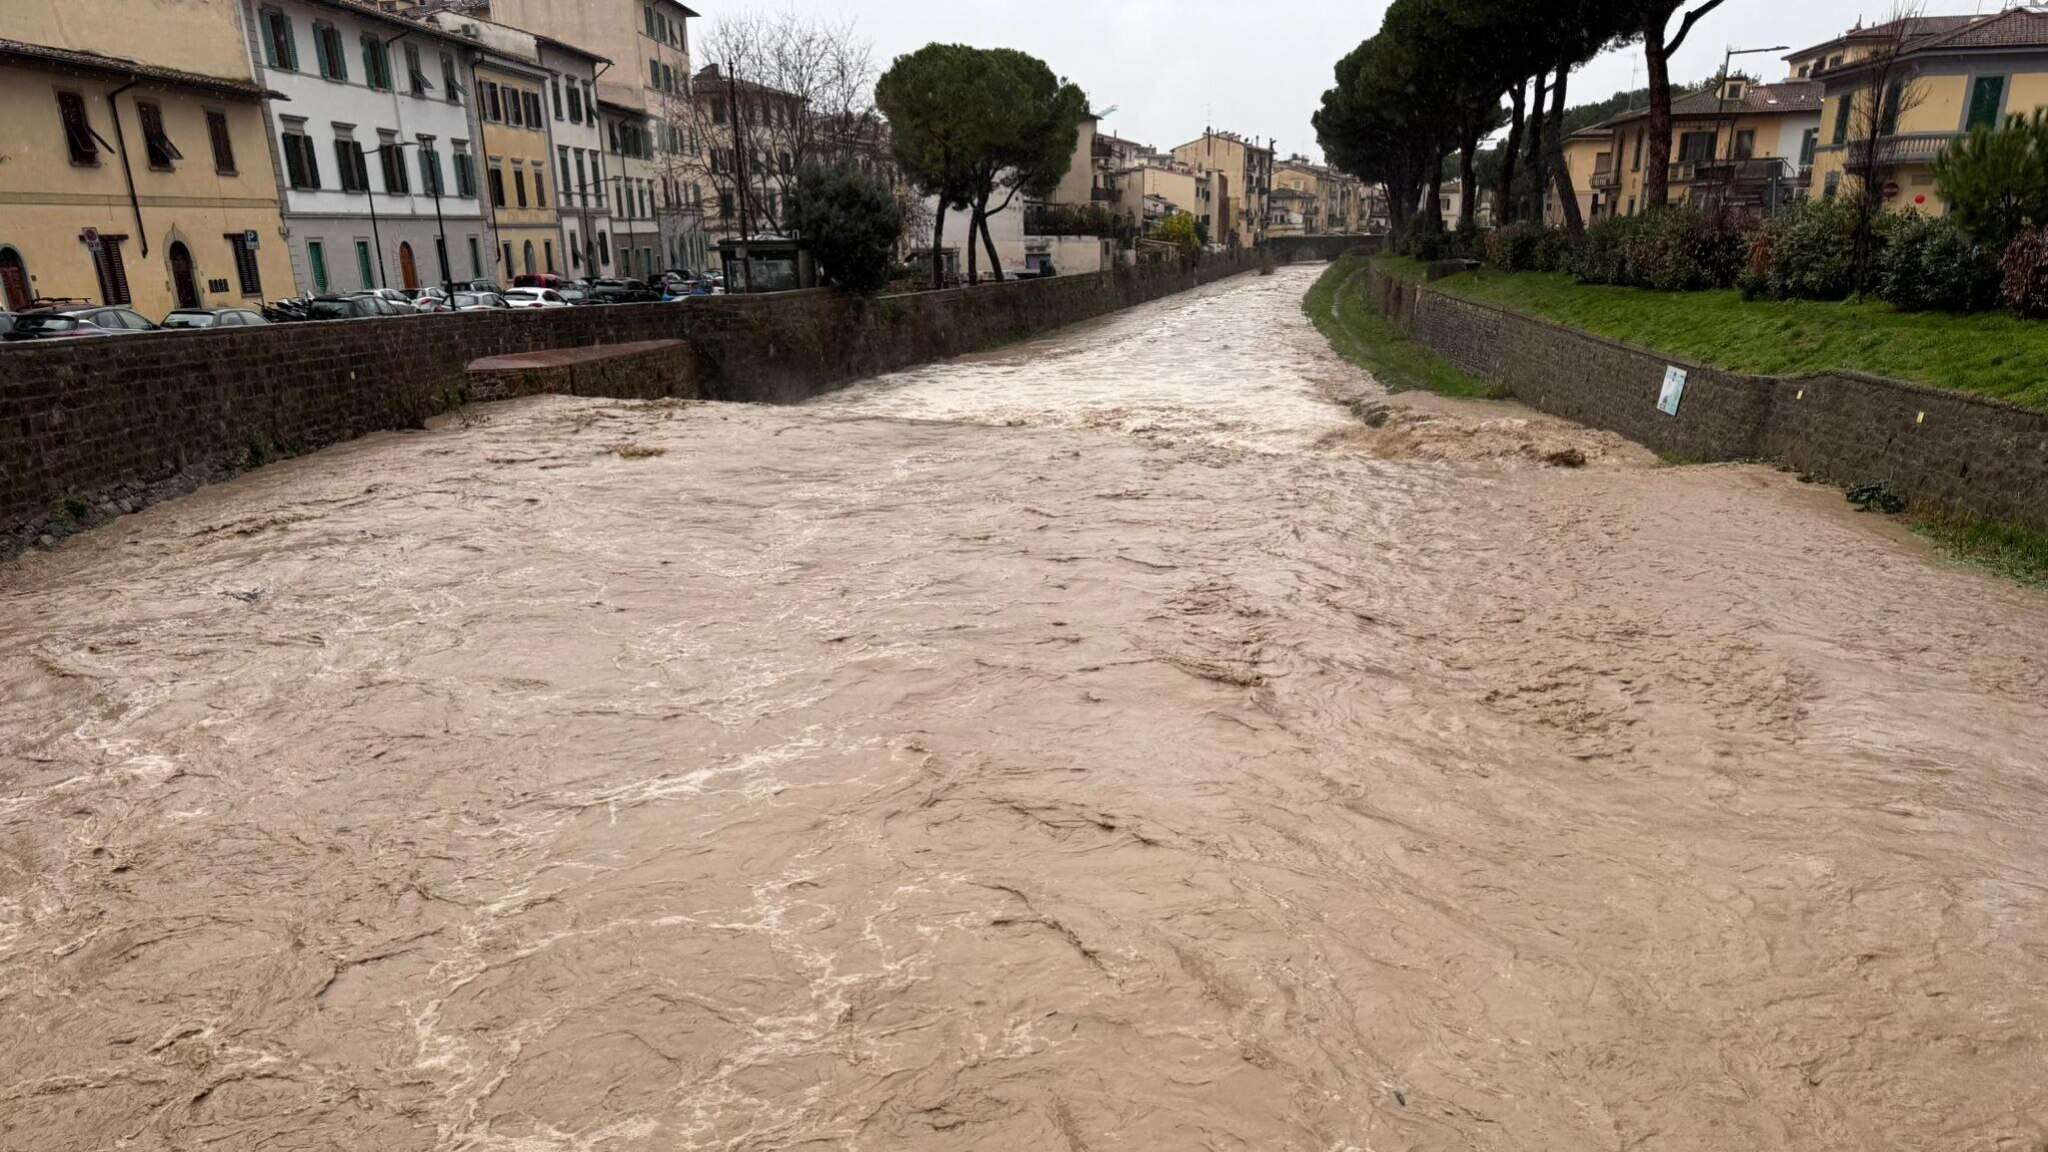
77,129
155,141
113,274
223,144
245,264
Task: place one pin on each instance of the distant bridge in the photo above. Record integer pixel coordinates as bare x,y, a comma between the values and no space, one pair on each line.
1308,249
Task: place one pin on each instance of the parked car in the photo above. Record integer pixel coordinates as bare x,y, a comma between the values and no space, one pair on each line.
214,318
541,280
623,292
393,295
577,295
535,298
479,302
385,303
356,307
75,323
6,322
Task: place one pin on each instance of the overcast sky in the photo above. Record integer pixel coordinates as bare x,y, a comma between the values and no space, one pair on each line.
1170,68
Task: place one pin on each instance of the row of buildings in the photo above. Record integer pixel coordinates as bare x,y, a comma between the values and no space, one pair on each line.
1236,188
1753,146
222,152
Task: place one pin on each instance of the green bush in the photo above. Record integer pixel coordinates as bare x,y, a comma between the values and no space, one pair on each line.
1602,257
1527,246
2026,275
1427,240
852,224
1803,252
1933,266
1666,250
1468,243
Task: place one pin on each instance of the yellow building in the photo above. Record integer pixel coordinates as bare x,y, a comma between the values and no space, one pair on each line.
1589,157
131,183
1243,178
1956,78
513,103
1857,44
1295,205
1743,144
203,36
1338,197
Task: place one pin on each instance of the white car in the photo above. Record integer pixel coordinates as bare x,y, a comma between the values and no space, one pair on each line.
478,302
535,298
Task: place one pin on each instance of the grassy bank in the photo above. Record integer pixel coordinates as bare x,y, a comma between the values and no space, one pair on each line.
1988,355
2003,548
1355,329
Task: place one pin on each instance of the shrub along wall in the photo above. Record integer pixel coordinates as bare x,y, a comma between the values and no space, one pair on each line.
1939,449
93,427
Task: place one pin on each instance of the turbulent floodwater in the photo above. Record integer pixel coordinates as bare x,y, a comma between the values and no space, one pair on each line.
1107,743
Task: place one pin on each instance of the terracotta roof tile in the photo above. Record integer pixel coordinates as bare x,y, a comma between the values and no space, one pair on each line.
2016,28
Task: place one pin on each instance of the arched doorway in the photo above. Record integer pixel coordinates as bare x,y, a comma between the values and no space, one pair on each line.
408,270
531,267
184,282
15,293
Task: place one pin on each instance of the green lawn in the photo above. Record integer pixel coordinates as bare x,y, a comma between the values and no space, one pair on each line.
1355,329
1990,354
2006,549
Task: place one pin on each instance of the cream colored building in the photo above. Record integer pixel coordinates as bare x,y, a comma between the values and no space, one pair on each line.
1244,177
1961,77
128,182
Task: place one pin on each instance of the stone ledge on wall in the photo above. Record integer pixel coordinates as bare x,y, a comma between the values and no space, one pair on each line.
1937,448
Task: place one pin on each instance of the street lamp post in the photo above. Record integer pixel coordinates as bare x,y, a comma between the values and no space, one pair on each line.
440,222
1721,102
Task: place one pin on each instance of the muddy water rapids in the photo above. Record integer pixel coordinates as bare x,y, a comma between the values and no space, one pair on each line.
1110,743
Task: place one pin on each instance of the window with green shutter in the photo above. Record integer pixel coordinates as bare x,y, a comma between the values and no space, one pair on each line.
1987,97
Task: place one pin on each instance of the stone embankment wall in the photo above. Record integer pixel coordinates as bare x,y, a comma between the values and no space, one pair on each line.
1939,449
92,428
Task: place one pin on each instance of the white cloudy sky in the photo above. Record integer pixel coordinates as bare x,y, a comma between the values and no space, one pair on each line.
1169,68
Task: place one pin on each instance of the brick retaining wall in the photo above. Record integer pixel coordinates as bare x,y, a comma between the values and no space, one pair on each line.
90,428
1937,448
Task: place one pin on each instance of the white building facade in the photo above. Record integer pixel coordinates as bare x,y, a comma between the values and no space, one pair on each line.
376,145
579,158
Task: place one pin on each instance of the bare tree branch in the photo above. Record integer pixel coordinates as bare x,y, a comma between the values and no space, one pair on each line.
1685,26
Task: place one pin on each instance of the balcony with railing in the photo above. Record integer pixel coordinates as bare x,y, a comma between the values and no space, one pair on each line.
1606,176
1901,148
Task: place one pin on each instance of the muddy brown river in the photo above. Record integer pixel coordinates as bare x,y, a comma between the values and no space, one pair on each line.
1110,743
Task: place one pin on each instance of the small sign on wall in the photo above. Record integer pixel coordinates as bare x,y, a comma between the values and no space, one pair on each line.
1674,391
252,240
